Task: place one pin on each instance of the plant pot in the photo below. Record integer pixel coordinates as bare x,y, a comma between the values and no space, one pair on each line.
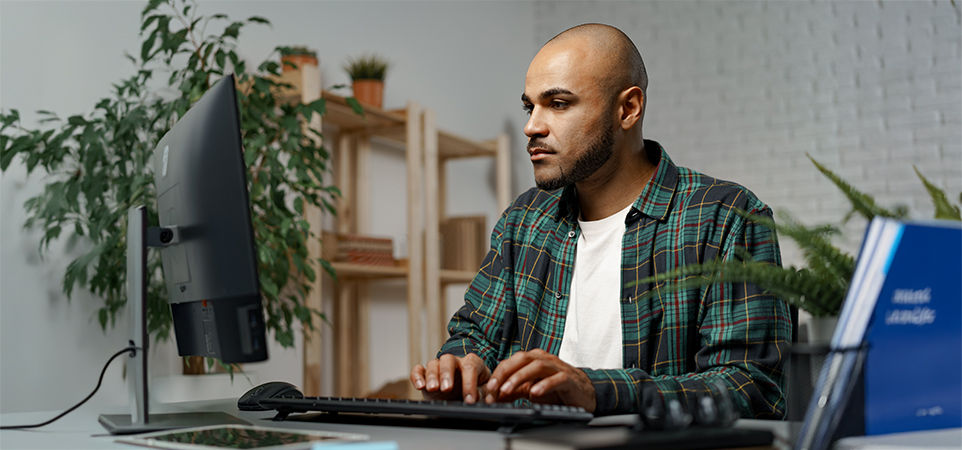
369,92
196,365
805,364
820,329
298,60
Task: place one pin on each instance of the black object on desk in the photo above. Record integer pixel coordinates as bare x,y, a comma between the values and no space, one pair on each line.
251,400
286,399
595,438
505,413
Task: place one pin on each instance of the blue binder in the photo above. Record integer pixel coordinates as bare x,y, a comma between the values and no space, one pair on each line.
902,321
913,371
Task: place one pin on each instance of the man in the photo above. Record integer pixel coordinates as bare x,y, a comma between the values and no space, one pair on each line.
553,314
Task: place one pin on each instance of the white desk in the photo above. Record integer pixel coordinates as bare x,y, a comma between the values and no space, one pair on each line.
80,430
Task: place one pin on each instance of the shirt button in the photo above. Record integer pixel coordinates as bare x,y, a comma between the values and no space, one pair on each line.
557,295
628,299
571,234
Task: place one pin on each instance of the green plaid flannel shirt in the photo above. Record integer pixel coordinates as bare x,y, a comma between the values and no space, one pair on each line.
678,342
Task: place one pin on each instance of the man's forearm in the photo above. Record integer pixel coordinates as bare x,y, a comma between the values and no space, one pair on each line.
622,391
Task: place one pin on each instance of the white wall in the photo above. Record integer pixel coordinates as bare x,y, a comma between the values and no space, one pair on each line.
740,90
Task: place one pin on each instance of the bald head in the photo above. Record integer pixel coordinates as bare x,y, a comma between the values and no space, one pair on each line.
616,54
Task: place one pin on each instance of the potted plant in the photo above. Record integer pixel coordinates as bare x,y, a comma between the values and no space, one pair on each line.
98,166
367,74
292,58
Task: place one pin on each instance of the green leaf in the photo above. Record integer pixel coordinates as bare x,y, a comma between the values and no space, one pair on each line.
232,30
151,5
219,58
326,265
943,208
258,19
355,105
149,20
861,203
147,46
6,155
319,106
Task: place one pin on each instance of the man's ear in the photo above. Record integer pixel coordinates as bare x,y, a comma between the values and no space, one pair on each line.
632,101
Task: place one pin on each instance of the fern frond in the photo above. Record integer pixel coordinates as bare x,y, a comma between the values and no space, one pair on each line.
862,203
823,257
943,209
803,288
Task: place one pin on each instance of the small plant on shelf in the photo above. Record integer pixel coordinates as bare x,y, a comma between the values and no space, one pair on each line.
292,58
367,74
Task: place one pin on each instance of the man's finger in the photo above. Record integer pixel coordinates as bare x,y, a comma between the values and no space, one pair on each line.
549,385
504,370
531,372
448,369
417,377
469,380
431,376
516,393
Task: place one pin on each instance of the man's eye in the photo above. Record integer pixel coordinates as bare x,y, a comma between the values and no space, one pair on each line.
559,104
527,109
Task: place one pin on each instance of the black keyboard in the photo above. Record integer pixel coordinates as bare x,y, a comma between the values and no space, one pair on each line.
508,413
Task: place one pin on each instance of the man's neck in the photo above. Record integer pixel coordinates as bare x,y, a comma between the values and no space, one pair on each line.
615,185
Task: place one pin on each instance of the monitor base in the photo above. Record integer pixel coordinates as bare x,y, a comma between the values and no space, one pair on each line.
120,423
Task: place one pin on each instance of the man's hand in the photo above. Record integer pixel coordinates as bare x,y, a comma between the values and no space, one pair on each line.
451,378
542,378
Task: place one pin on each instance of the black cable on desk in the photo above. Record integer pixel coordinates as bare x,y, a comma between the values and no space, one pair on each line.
130,349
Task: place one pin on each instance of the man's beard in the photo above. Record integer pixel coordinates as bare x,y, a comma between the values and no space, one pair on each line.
596,155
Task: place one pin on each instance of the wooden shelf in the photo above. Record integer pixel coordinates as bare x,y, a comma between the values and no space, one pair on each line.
375,120
457,276
451,146
340,114
346,270
413,131
385,124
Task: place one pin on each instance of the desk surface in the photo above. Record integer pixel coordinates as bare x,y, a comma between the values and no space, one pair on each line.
80,429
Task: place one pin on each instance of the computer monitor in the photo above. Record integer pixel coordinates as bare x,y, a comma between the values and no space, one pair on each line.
211,274
207,251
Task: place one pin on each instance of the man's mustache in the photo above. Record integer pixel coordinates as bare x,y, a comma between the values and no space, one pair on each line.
539,144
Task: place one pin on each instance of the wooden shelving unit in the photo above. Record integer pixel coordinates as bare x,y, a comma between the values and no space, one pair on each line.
349,271
426,148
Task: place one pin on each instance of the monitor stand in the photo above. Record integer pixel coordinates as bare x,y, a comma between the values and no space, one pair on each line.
140,420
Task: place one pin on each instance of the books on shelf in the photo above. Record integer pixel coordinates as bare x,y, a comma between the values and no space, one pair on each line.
358,249
901,324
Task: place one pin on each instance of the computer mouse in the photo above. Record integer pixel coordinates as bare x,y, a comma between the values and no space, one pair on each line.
251,399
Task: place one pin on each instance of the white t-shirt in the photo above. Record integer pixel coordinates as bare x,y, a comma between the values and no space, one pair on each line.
592,336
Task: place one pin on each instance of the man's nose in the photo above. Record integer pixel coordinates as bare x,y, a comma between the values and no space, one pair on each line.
536,125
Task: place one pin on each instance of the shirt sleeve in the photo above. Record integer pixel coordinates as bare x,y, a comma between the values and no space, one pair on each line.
479,326
744,334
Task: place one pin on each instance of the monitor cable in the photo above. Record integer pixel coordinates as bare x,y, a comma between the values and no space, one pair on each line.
130,349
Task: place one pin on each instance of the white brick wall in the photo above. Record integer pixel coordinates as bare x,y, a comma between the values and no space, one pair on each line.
742,90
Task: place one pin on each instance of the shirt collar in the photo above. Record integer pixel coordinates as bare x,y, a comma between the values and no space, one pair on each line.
654,199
